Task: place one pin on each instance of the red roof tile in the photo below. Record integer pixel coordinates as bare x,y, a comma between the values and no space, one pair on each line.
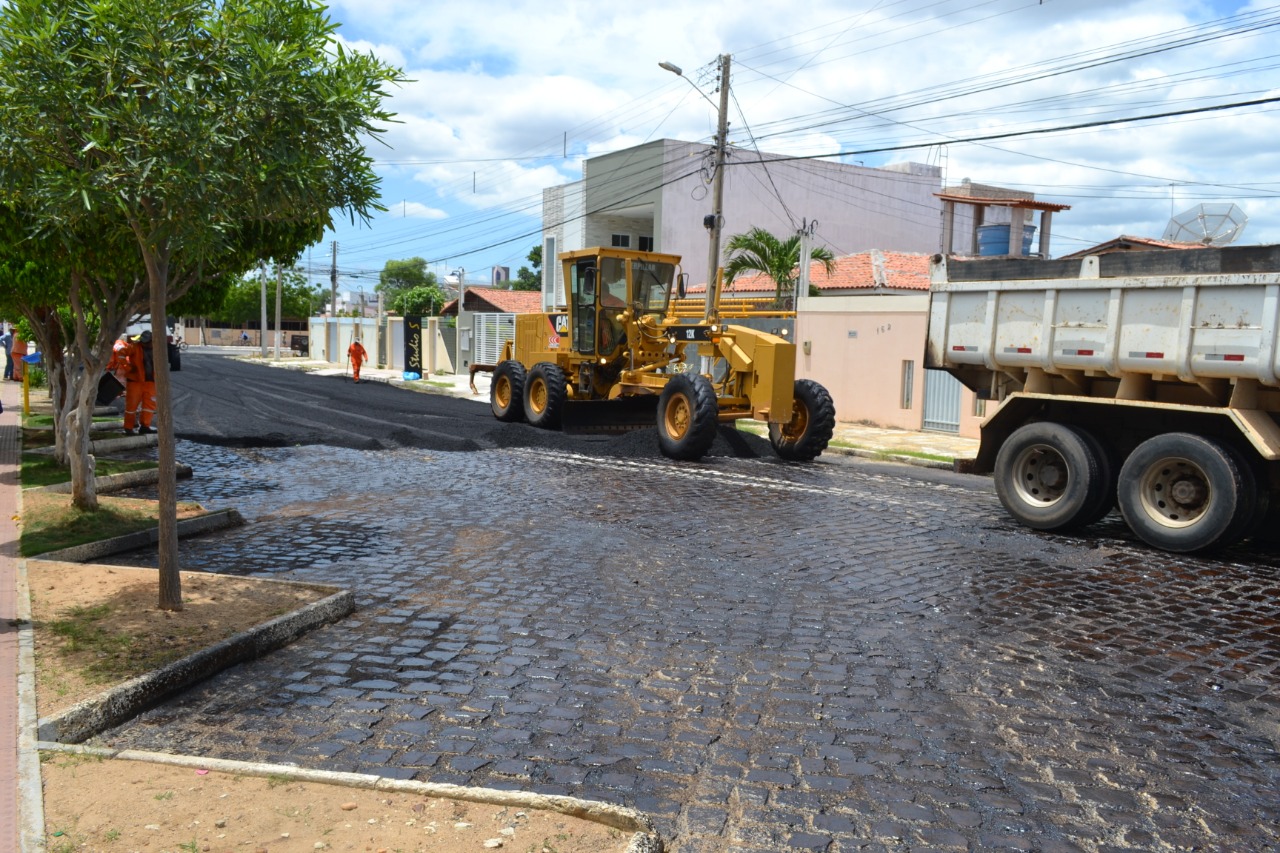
863,271
1124,242
494,300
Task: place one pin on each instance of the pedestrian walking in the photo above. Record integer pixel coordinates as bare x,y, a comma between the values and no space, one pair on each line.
6,340
140,387
18,349
357,355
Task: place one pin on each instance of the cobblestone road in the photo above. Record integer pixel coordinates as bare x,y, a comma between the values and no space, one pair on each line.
764,657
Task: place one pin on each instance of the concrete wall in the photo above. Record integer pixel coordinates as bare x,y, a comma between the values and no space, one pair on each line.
856,348
331,336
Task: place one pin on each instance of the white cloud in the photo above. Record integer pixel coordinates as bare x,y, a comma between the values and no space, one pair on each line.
508,97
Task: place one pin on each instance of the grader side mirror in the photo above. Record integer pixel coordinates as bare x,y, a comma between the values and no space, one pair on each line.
682,284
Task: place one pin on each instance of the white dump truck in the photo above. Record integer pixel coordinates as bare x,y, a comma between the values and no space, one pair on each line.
1144,380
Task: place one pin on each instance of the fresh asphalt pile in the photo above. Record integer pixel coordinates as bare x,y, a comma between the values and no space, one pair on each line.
234,403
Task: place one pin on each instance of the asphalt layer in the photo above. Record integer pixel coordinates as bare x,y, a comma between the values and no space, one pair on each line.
236,403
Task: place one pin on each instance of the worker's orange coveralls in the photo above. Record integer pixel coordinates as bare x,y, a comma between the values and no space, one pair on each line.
356,352
140,386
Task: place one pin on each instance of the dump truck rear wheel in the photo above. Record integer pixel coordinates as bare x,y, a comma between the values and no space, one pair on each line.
688,417
506,391
1183,493
1050,477
544,395
1107,468
813,422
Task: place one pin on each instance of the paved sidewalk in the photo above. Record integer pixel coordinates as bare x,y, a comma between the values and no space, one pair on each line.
19,765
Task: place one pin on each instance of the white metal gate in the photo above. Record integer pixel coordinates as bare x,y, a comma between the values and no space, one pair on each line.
491,332
941,401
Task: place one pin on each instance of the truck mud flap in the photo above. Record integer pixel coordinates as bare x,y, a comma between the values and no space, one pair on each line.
624,414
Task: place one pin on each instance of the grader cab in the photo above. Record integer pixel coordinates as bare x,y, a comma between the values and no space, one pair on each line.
619,356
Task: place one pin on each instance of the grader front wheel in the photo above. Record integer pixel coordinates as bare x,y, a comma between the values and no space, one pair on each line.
813,422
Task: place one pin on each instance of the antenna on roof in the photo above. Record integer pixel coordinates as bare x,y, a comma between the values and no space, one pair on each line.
1208,224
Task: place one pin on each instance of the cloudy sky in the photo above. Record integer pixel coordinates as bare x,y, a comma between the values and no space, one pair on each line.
508,97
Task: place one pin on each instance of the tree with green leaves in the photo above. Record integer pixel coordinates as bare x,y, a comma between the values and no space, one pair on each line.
530,279
426,301
243,300
758,251
408,287
179,137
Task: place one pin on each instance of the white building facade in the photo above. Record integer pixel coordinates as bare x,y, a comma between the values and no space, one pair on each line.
656,196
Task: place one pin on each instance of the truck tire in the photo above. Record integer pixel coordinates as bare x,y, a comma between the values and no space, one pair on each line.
544,395
1051,477
688,417
1107,471
813,421
506,391
1183,493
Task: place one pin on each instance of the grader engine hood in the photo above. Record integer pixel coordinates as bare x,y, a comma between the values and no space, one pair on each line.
766,366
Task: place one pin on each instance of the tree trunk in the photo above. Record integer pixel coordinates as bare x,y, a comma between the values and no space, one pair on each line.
170,574
79,421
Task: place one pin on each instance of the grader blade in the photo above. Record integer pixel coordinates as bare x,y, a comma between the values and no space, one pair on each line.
581,417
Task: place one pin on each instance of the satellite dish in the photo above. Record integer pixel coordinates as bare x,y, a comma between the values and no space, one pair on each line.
1209,224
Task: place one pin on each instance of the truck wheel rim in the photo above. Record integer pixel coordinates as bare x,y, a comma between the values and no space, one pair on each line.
1175,492
502,392
1041,475
676,419
538,396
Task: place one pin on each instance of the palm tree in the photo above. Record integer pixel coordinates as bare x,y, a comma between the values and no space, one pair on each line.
758,251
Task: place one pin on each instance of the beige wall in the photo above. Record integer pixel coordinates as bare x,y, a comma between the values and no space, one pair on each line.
857,346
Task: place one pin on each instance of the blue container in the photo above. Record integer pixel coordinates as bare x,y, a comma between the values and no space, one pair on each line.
994,239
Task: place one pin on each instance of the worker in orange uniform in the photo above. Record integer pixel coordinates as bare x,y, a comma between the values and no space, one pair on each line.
140,386
357,355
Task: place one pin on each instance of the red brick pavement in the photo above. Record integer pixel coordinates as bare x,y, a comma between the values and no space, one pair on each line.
10,823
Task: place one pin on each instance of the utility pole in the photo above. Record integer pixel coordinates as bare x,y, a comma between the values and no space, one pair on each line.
279,299
713,222
262,329
333,307
806,253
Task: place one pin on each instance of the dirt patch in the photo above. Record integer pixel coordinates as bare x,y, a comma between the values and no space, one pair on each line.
140,636
114,805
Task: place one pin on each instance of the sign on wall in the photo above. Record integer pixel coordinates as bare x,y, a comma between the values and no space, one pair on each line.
413,346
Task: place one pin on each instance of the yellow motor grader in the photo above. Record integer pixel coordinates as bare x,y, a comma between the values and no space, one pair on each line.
621,356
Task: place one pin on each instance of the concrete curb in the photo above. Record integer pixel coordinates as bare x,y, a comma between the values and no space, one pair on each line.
125,701
887,456
216,520
30,787
103,446
118,482
644,838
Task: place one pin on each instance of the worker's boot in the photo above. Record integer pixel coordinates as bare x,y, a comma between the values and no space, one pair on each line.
145,430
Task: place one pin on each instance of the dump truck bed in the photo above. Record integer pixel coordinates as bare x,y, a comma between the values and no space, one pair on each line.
1179,315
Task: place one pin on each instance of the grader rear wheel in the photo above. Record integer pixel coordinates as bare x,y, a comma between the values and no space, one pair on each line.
688,417
544,395
506,392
